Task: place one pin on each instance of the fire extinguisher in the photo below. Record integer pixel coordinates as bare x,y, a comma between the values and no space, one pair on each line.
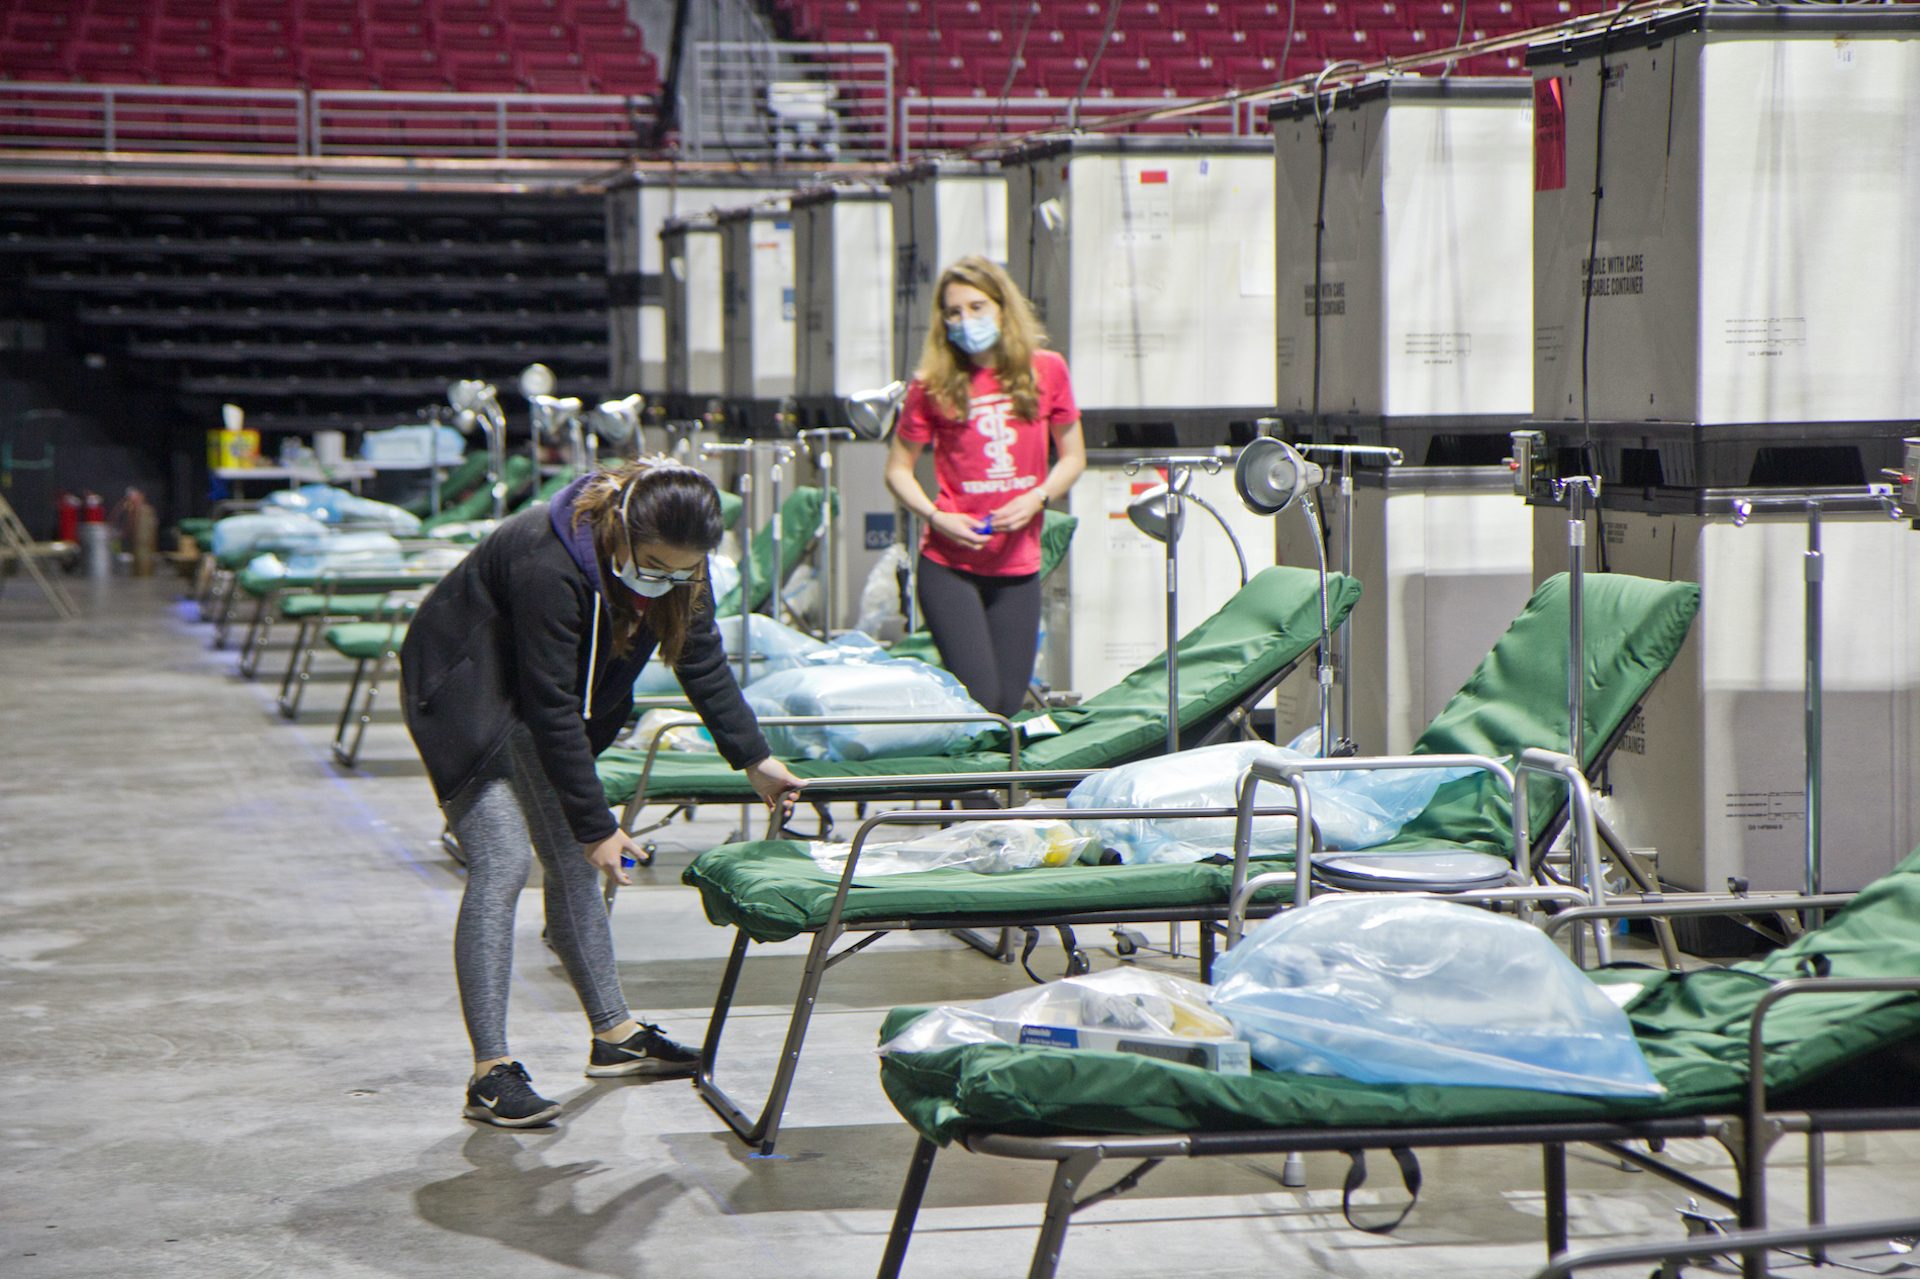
93,510
68,516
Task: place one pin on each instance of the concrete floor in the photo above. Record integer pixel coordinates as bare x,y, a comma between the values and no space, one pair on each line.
233,1048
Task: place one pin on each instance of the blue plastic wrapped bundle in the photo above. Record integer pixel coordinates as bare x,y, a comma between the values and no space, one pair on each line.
335,553
901,686
1353,808
336,506
413,446
776,647
1390,990
268,529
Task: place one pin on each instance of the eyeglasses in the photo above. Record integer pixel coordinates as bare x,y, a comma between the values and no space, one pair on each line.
678,577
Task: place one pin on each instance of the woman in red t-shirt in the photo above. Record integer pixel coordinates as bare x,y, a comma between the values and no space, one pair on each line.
990,400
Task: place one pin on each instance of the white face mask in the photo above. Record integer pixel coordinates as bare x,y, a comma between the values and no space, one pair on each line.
650,584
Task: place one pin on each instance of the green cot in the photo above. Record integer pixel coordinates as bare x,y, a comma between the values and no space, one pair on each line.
771,890
1817,1037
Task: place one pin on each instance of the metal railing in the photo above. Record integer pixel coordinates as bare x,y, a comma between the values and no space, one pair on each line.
950,123
482,125
788,101
117,117
747,101
336,122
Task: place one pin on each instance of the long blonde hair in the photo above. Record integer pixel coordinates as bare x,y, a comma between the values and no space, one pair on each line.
671,504
947,371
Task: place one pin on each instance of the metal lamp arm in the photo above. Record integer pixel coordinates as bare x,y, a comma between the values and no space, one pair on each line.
1208,507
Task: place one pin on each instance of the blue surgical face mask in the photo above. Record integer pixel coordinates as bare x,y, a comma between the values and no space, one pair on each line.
975,335
650,584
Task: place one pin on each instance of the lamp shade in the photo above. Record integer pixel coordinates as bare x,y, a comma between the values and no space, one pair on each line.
536,379
618,421
1150,513
1271,475
871,413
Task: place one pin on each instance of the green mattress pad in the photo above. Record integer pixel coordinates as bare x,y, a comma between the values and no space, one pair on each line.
1517,697
1267,625
357,605
458,483
772,890
363,641
1692,1027
478,504
799,523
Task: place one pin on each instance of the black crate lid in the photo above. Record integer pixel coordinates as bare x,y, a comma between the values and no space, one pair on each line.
1411,89
1798,21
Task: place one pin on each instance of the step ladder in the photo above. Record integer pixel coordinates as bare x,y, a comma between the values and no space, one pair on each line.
14,537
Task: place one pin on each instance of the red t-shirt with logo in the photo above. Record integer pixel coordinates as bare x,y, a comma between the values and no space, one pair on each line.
984,462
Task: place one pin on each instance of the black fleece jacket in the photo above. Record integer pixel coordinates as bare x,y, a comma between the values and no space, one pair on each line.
506,637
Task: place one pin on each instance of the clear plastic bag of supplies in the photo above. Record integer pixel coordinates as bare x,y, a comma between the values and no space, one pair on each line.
901,686
268,529
336,506
1117,1010
723,574
1353,808
881,615
1391,990
985,847
677,730
775,647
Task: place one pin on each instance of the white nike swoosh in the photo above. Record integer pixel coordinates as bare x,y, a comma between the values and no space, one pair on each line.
491,1103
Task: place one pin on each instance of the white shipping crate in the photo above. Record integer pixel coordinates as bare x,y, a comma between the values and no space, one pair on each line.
691,251
1712,774
1150,261
1445,560
1116,575
843,283
757,308
943,210
1425,308
638,207
1758,256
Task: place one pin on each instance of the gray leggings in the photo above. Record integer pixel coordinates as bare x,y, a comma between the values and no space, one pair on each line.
502,818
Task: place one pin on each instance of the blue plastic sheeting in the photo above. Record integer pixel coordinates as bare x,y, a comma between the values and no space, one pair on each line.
1390,990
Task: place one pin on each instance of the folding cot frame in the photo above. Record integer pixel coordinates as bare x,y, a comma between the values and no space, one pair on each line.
945,786
1748,1133
267,605
387,651
331,606
1230,911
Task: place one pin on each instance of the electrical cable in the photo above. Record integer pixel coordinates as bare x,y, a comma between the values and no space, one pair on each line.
1286,49
1099,50
1459,34
999,120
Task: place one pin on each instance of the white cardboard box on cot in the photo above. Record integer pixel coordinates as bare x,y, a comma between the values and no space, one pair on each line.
1226,1056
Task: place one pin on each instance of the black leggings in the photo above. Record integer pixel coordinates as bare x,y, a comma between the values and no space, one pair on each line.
986,628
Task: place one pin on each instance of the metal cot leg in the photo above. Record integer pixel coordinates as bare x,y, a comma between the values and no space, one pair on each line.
1553,1161
765,1130
299,666
350,755
1068,1177
912,1191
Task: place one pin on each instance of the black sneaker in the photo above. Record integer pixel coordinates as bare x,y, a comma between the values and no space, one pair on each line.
506,1097
645,1052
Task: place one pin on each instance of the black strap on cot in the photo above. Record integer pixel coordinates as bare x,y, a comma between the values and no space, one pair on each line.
1357,1177
1076,962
